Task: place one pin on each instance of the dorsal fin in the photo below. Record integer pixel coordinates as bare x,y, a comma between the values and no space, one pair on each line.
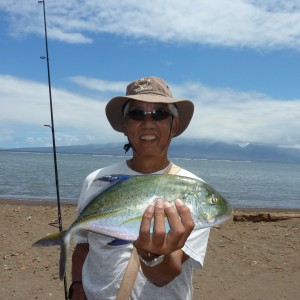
114,177
113,180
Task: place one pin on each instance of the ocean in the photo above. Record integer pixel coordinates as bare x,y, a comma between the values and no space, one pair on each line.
245,184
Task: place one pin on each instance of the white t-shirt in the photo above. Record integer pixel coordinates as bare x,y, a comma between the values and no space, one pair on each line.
104,266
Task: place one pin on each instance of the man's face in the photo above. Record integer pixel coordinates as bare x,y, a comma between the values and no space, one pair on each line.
150,137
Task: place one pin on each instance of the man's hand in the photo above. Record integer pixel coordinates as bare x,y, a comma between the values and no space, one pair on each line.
162,242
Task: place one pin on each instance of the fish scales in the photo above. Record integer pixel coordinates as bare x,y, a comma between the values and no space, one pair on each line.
140,189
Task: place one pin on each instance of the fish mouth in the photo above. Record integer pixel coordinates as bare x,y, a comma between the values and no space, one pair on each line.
210,220
215,220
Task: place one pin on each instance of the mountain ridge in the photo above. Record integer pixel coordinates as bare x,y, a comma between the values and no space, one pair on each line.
187,148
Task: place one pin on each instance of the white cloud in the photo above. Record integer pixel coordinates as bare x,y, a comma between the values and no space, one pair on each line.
25,109
237,23
220,114
99,84
240,117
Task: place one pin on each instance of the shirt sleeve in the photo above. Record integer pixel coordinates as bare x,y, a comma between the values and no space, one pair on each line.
195,246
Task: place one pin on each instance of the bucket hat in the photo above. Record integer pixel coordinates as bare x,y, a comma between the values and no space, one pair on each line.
149,89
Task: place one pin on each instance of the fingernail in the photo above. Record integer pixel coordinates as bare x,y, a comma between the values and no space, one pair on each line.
179,202
150,208
167,204
159,203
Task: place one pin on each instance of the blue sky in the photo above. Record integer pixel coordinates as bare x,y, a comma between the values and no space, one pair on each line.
238,61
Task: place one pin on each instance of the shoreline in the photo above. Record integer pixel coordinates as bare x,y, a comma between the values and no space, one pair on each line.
35,202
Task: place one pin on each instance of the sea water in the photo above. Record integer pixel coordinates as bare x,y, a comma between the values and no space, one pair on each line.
244,184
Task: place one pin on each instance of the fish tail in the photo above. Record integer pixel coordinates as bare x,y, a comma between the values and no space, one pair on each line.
54,239
61,239
64,251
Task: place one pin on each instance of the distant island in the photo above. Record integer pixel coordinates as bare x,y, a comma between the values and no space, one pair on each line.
188,148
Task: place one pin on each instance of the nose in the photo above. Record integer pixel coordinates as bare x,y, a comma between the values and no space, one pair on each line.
147,116
148,121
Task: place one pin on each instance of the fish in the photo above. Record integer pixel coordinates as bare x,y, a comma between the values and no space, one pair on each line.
118,209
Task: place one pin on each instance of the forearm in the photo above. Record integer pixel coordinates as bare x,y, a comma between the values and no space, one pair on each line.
78,258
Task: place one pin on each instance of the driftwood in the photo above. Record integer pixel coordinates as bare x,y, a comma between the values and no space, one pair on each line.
263,217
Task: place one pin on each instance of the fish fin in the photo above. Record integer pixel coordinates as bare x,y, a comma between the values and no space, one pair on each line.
118,242
54,239
64,251
114,178
61,239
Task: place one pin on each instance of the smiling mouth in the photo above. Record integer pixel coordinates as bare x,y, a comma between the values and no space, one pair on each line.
148,138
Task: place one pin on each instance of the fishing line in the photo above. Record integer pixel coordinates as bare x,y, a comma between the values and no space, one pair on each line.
59,221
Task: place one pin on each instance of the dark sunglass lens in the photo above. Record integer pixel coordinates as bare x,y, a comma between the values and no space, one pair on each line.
136,114
160,114
157,115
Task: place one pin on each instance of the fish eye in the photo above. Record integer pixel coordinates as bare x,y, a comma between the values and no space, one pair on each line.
213,199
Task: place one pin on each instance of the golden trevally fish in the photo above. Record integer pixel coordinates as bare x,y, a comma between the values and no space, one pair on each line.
118,209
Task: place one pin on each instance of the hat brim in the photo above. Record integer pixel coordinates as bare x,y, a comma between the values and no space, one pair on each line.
115,115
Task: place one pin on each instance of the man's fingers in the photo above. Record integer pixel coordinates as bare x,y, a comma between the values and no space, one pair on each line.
146,223
185,215
181,224
177,229
159,229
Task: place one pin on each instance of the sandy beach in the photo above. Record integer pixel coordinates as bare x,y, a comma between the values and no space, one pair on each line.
256,255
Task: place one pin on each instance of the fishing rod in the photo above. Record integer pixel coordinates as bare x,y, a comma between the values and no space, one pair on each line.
59,221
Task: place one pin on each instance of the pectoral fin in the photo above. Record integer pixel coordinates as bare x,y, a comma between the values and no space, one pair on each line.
118,242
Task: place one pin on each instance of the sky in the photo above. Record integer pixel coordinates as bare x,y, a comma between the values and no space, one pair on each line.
237,60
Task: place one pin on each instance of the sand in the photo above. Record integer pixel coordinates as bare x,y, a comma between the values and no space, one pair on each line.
255,256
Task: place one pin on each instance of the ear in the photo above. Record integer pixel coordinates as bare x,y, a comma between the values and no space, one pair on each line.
175,126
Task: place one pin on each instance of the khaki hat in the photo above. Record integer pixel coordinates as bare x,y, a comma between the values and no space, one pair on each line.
149,89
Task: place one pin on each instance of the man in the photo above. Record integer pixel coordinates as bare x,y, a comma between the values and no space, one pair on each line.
150,117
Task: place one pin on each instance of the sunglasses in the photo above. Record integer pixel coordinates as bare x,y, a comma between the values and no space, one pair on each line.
156,114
